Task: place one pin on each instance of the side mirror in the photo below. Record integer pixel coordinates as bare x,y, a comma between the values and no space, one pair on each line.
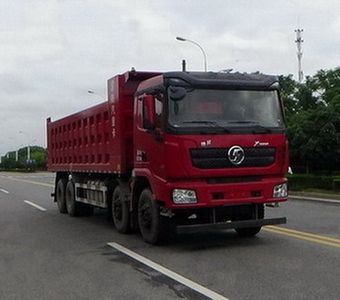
177,93
149,112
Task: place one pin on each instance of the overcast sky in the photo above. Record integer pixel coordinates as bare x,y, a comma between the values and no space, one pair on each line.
52,52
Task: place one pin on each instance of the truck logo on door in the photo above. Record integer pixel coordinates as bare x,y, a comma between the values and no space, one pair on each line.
236,155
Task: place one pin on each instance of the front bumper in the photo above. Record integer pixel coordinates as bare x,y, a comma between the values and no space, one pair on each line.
229,225
220,194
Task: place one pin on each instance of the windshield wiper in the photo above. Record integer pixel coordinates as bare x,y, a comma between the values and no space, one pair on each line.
257,128
213,123
199,121
242,122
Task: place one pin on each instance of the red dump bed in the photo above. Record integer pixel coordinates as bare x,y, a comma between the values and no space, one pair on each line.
98,139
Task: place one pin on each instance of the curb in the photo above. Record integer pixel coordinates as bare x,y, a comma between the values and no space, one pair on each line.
316,199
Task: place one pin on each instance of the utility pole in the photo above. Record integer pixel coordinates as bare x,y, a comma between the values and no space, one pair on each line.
28,153
299,42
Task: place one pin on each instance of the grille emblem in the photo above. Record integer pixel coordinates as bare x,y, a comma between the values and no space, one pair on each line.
236,155
258,143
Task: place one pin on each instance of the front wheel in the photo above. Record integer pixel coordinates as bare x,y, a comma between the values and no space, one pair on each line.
252,231
153,227
248,232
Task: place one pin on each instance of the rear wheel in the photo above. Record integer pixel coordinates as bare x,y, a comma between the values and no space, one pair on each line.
252,231
60,195
73,207
120,211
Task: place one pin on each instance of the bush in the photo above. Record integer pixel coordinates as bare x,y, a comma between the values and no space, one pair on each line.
302,181
336,184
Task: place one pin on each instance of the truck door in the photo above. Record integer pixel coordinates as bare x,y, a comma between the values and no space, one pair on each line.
149,145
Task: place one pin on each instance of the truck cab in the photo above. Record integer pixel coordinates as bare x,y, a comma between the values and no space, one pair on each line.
211,147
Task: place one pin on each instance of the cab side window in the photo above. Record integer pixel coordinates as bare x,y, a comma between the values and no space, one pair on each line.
140,114
158,109
146,117
151,110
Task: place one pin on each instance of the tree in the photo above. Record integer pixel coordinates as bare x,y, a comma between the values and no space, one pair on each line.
314,121
288,90
38,157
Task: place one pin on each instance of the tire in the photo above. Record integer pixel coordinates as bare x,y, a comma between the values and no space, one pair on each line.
73,207
248,232
153,227
120,211
252,231
60,196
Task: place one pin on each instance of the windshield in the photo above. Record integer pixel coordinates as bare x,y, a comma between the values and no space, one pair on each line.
227,108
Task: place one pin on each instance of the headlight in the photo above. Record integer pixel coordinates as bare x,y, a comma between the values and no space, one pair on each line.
184,196
280,191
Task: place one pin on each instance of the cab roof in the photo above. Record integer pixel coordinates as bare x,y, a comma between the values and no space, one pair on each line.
223,80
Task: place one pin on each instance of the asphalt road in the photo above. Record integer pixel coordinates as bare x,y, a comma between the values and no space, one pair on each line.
47,255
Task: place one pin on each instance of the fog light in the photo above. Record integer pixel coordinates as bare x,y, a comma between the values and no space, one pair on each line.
184,196
280,191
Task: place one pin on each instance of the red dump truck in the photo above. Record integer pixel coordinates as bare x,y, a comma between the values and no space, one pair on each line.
175,152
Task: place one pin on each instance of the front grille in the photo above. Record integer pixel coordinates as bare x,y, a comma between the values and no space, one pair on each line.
215,158
239,179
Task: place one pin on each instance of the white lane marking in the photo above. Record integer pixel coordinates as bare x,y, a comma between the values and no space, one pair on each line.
29,181
35,205
185,281
4,191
